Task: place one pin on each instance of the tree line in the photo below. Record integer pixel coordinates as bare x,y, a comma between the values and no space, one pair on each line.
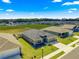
36,19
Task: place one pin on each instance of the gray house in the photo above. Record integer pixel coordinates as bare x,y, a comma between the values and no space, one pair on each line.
60,31
74,28
9,50
68,26
37,37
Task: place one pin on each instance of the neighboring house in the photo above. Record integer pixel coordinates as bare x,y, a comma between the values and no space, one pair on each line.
75,28
37,37
9,49
60,31
68,26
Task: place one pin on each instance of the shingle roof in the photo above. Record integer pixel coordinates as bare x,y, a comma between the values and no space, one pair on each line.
35,34
68,26
10,37
7,42
56,29
60,29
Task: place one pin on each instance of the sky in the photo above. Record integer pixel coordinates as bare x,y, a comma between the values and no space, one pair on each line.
39,9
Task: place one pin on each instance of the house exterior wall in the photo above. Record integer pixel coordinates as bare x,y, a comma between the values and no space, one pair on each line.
70,33
63,35
55,33
66,34
13,53
26,38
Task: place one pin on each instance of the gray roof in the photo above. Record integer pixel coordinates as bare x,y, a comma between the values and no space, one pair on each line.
35,34
68,26
60,29
5,44
56,29
74,54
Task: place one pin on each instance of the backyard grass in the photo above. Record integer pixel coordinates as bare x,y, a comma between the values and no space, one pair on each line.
35,26
21,28
58,55
73,45
67,40
76,33
13,31
28,51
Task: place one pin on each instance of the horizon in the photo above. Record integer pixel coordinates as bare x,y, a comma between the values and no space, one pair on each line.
55,9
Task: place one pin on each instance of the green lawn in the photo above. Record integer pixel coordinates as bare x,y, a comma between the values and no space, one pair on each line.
58,55
35,26
73,45
76,33
21,28
29,51
66,40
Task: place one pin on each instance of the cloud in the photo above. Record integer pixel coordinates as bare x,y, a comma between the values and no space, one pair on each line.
9,10
57,1
1,9
6,1
72,3
45,8
72,10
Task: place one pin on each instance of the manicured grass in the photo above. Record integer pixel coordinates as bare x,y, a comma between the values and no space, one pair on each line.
67,40
76,33
21,28
35,26
58,55
28,51
13,31
73,45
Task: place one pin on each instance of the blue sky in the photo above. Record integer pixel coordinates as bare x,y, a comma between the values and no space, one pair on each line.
39,8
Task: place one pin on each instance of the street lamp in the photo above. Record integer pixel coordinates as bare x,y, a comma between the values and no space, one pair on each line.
42,52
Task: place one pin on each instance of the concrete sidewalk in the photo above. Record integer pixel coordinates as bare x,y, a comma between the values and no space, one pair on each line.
52,54
63,47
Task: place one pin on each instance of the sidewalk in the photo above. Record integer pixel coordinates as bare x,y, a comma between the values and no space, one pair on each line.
62,47
66,53
52,54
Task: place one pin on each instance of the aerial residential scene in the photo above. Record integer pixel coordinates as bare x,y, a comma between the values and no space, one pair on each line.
39,29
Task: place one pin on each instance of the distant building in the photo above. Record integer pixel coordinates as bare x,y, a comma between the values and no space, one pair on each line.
9,49
62,31
37,37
